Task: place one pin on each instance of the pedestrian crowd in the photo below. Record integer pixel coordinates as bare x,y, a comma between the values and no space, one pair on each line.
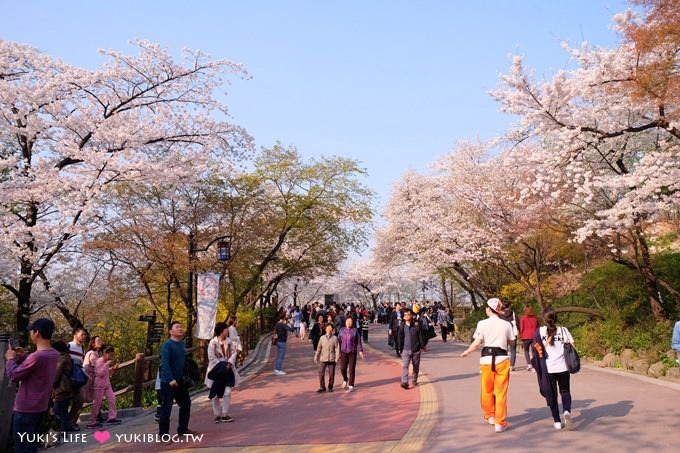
82,374
77,376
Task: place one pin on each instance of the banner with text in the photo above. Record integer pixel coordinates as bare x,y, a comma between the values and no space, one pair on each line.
207,290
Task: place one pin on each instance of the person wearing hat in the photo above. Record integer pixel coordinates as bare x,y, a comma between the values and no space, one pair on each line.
32,371
495,334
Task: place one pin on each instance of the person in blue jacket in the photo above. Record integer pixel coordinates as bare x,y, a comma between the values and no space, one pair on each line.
173,388
675,341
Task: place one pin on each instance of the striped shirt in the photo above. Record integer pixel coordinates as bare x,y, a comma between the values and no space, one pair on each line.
35,375
76,352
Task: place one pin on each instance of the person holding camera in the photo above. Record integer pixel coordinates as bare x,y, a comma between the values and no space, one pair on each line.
173,387
34,372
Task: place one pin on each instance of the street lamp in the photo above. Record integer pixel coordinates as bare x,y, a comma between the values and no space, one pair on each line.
222,254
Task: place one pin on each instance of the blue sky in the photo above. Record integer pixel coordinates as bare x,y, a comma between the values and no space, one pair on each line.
393,84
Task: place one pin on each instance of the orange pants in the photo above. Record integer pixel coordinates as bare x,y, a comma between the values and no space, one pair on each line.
495,385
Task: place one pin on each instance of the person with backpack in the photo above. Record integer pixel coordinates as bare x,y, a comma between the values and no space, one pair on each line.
62,388
77,353
103,369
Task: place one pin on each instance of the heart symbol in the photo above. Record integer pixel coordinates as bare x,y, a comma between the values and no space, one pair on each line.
101,436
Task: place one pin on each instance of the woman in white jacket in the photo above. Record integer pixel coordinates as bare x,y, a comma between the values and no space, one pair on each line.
221,349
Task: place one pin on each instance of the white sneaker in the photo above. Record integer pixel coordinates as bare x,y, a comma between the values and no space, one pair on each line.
344,384
277,372
281,373
351,388
567,421
500,428
557,425
491,421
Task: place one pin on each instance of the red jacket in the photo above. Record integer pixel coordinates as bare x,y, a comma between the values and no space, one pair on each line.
527,327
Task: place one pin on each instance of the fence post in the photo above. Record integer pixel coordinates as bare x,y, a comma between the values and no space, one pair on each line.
7,393
139,380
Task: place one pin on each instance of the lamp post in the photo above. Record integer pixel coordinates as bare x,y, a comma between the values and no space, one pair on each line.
222,254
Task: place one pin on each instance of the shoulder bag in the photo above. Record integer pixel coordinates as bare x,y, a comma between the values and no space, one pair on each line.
571,357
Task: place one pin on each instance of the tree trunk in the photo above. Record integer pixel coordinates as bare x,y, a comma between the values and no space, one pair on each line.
73,320
23,314
445,293
645,268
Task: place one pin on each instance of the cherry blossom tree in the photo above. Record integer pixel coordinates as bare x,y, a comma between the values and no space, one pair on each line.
614,152
472,221
365,282
72,133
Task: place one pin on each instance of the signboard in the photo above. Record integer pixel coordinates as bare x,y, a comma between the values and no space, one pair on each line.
207,290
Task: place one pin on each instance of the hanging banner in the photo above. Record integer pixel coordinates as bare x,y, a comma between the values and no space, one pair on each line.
207,290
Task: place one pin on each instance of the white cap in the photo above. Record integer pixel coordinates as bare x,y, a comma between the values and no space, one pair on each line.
495,304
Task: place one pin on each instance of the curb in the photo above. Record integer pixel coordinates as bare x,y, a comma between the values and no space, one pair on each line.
415,438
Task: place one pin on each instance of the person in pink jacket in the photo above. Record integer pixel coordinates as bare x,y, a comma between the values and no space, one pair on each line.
102,388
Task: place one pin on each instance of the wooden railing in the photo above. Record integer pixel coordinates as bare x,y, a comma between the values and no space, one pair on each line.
143,363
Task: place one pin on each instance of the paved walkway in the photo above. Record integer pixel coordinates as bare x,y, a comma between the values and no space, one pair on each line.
613,411
277,413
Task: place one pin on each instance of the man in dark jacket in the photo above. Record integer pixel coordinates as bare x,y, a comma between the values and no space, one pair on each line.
173,386
63,390
410,339
393,324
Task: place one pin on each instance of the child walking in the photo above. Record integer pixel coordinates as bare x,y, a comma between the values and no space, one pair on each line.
365,324
303,329
102,388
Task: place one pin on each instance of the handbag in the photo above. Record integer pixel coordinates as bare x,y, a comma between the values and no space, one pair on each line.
515,330
274,338
571,357
430,332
